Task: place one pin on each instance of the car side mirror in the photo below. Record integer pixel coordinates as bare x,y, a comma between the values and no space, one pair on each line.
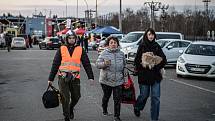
169,47
181,51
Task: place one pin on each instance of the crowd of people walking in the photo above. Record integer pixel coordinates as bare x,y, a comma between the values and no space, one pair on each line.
111,62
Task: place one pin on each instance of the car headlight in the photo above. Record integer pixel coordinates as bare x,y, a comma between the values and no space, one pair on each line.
130,47
181,60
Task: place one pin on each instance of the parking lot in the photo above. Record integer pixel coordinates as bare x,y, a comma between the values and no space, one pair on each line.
23,79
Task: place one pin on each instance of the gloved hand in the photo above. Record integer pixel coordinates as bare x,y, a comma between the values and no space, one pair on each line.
92,82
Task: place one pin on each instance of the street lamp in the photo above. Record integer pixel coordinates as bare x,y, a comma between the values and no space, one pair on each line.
120,15
153,7
163,16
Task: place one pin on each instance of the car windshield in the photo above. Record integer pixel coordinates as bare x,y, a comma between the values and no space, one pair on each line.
200,49
165,36
162,43
54,40
131,37
119,37
18,39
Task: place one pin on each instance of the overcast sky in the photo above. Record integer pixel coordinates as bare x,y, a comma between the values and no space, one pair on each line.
8,3
29,6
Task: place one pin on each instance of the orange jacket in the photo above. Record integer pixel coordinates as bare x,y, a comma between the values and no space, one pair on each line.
71,63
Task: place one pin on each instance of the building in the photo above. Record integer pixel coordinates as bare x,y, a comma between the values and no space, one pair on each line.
36,25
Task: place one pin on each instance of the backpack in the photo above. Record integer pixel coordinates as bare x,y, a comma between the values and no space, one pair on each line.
50,97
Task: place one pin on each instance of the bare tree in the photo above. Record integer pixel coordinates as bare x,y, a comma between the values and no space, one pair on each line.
193,24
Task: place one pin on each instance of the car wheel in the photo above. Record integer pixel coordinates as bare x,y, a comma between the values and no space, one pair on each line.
46,47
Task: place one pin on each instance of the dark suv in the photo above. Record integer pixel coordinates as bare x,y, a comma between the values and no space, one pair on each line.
50,43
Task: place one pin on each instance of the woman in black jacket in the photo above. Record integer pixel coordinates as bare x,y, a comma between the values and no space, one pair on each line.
149,78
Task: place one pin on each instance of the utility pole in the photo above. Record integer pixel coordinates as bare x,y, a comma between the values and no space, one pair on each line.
207,14
77,9
86,15
66,9
120,16
50,13
96,14
163,16
153,7
87,18
206,5
89,14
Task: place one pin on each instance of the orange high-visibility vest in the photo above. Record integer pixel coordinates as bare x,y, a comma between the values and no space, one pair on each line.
71,63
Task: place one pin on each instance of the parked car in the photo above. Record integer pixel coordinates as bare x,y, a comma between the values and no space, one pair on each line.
50,43
101,46
118,36
25,36
18,42
197,60
130,42
2,41
171,48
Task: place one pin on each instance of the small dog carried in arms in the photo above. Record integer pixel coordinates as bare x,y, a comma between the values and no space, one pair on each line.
150,60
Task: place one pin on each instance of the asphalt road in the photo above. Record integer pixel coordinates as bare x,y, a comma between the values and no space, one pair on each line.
23,80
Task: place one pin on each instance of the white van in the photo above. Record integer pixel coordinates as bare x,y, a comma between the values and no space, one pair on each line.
119,36
130,42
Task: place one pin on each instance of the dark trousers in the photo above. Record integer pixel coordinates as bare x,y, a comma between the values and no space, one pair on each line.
117,93
70,91
86,45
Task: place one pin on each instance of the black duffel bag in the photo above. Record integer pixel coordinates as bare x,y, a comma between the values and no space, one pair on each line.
50,97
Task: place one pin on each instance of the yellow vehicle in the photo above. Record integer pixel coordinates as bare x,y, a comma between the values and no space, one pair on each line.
12,31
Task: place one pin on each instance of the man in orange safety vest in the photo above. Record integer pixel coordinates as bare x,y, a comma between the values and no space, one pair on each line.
66,63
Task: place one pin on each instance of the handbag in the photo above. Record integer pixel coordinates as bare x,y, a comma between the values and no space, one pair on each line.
128,91
50,97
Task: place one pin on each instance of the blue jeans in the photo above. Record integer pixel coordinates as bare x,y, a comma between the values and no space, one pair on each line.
155,99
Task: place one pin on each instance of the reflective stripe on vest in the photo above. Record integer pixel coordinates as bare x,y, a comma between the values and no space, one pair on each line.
68,63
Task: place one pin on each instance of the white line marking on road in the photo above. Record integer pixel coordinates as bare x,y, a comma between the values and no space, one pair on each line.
207,90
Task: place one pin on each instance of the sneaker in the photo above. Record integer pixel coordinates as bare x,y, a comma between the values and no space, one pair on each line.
117,119
107,114
137,112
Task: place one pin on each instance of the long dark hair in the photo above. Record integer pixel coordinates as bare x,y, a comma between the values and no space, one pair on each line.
151,31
